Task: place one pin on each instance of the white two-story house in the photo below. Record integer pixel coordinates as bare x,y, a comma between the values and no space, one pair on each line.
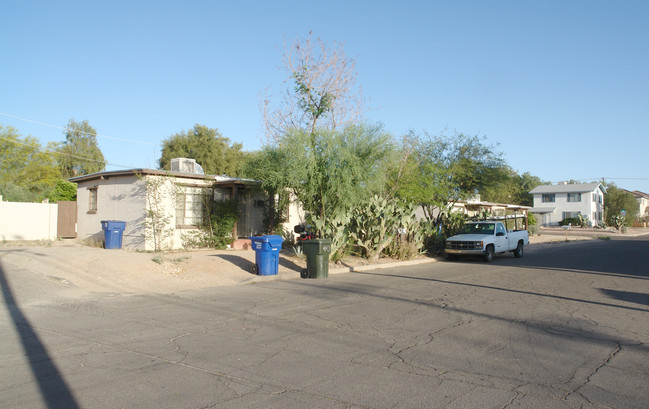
553,203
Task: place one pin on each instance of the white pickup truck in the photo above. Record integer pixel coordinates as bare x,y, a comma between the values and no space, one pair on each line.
486,238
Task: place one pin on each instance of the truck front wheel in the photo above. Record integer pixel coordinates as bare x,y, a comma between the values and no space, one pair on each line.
489,253
518,253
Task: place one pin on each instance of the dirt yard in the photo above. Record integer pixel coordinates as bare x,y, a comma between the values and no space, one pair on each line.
74,265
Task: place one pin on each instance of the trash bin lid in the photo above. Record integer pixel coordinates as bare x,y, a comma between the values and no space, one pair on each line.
263,239
275,240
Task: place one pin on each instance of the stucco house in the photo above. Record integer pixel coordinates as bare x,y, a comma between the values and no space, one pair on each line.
162,208
553,203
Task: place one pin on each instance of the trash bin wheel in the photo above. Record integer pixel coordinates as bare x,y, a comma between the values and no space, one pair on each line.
304,273
255,269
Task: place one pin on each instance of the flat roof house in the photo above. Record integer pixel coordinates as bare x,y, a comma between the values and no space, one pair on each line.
162,208
553,203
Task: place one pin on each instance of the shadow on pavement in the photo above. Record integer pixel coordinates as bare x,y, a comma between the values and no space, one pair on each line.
54,390
628,296
241,262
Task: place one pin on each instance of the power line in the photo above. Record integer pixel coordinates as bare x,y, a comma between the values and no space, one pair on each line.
625,178
53,153
72,130
607,177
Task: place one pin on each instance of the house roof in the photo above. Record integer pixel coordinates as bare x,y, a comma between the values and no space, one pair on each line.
639,194
568,188
219,179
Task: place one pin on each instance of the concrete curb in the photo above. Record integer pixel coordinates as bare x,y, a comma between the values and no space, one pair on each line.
339,270
366,267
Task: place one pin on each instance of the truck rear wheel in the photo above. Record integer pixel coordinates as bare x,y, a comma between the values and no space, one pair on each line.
489,253
518,253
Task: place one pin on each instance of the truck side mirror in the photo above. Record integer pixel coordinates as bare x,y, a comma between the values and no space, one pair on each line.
500,233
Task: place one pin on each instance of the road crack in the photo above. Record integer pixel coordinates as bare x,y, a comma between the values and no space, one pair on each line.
594,371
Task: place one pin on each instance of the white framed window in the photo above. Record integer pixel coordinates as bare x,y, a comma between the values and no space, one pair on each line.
191,206
574,197
547,198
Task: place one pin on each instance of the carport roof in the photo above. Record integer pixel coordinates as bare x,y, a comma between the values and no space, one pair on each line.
542,209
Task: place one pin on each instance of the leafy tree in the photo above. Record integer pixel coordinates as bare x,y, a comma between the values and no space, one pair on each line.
444,169
80,154
63,191
27,172
616,200
507,186
212,151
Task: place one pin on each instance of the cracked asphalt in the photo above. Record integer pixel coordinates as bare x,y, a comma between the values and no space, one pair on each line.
566,326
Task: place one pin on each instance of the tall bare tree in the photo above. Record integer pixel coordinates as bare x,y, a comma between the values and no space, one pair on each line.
322,92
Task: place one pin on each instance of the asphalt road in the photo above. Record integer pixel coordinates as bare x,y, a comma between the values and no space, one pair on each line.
566,326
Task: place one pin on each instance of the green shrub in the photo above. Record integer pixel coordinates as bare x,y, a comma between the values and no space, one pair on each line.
533,230
574,221
224,216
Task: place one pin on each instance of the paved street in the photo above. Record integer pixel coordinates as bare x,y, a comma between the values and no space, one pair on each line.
566,326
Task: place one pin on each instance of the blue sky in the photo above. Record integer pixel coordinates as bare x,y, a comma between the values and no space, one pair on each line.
561,86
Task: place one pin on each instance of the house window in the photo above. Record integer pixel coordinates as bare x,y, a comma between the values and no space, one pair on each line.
567,215
547,197
92,199
191,204
574,197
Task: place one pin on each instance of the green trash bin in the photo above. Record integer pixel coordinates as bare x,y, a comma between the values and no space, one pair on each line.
317,258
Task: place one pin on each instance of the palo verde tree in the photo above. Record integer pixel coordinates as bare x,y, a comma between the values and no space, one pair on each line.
316,146
80,154
329,171
212,151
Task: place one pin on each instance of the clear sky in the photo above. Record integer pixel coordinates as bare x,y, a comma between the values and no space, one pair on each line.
561,86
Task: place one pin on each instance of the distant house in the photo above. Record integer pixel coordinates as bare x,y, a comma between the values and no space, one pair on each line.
643,205
178,198
553,203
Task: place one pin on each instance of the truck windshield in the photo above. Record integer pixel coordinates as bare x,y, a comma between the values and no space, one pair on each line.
478,228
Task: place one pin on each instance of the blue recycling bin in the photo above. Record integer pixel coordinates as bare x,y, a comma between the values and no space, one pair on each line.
266,254
113,231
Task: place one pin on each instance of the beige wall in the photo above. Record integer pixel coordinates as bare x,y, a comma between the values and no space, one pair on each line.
118,198
28,221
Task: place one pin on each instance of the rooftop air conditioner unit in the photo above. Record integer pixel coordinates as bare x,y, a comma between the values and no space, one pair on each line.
186,165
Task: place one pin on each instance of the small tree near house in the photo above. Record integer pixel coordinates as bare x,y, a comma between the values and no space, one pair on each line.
160,190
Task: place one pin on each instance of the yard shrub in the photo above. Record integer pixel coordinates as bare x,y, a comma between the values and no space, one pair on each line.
224,216
573,221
